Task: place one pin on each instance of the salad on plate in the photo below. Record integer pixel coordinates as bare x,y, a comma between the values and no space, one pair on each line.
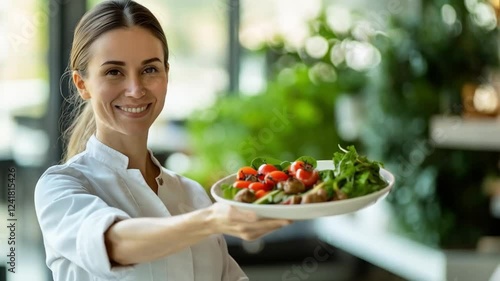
273,182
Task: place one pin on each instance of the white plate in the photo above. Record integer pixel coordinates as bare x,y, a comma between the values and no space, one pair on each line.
307,211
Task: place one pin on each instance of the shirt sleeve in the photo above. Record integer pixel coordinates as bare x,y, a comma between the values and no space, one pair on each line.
73,222
231,270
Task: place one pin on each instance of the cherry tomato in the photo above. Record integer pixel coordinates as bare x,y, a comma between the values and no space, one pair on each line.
255,186
246,174
265,169
274,177
308,178
242,184
296,165
261,193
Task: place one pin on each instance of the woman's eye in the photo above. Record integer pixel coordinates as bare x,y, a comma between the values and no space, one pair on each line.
113,72
150,70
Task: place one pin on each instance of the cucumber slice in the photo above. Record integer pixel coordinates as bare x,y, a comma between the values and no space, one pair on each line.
266,199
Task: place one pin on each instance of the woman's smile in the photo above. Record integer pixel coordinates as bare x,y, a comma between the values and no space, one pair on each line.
135,111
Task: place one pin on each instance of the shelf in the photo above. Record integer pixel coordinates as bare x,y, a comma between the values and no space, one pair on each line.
367,234
364,234
459,133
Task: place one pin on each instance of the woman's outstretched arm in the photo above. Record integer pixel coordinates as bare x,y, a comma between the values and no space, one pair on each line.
139,240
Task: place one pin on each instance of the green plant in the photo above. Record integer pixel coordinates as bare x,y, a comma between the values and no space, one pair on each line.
438,199
293,116
423,64
286,121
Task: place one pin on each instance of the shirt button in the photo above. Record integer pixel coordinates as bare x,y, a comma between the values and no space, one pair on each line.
160,181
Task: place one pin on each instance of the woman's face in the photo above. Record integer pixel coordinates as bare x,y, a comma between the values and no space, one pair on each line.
126,81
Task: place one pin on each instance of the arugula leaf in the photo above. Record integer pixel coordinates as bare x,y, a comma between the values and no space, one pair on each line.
281,165
308,159
228,191
326,175
257,162
355,175
284,165
329,183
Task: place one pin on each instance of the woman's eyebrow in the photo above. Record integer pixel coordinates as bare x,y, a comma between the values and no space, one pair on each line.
121,63
151,60
115,62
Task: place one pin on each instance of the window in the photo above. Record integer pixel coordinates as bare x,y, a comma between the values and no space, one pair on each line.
24,78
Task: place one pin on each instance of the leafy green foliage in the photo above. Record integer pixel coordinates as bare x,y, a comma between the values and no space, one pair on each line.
425,63
289,119
257,162
309,160
437,199
355,175
228,191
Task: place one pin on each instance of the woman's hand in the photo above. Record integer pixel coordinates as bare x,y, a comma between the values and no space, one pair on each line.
244,224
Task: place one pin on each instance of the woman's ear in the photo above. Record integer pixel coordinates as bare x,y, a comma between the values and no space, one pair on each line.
80,85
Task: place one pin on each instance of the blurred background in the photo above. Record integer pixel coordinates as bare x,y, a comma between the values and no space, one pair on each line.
414,84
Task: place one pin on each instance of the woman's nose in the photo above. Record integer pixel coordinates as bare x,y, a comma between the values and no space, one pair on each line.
135,88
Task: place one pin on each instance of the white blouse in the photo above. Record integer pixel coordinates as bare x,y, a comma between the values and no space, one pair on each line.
76,203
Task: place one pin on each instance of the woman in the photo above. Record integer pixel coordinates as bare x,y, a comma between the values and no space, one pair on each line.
110,211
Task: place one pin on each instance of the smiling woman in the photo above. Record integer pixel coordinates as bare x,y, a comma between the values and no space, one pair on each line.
110,211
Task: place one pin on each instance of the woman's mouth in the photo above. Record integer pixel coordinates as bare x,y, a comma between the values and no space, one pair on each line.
134,109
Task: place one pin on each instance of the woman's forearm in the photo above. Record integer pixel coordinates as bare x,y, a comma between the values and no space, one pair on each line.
144,239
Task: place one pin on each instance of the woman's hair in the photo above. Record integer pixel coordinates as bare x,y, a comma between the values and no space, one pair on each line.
104,17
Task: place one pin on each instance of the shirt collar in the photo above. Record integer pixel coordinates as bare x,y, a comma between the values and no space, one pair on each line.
112,157
106,154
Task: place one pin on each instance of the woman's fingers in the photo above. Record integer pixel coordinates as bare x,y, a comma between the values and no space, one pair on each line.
243,223
255,229
252,231
238,215
230,214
